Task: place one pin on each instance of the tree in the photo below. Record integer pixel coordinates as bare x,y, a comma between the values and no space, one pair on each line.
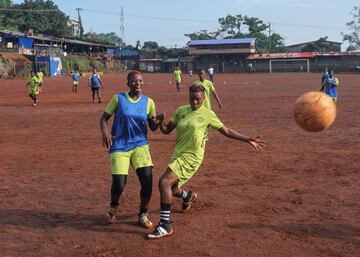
319,45
150,45
201,35
354,27
50,22
104,38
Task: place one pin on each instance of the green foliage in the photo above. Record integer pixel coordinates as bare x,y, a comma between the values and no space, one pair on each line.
51,22
354,27
201,35
319,45
150,45
239,26
5,3
104,38
79,62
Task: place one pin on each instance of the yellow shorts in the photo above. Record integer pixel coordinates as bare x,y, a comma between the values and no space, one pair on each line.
139,157
184,167
33,91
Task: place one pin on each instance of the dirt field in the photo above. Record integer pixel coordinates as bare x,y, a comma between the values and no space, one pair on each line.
299,198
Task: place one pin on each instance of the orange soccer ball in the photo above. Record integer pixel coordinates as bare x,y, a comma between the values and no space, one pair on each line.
314,111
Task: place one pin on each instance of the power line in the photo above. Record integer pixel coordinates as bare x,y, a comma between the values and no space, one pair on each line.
28,10
307,26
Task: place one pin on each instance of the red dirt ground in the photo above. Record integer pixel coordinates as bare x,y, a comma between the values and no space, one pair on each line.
299,198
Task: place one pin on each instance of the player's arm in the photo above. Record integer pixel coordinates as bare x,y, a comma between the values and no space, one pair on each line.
105,135
165,128
111,108
255,142
217,98
89,81
101,83
153,123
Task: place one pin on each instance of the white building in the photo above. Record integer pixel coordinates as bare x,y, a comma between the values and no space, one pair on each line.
75,27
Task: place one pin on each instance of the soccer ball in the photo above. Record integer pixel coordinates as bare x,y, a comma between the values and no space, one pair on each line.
314,111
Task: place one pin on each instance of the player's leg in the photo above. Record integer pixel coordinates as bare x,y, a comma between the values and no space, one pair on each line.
117,188
93,94
188,197
98,95
145,178
141,161
166,182
178,86
119,163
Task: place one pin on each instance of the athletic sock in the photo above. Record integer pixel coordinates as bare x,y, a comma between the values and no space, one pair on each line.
165,213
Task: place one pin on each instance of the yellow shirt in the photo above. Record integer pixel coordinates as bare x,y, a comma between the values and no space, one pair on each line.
191,130
177,76
209,88
40,76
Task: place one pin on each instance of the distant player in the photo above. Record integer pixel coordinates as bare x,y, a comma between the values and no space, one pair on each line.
209,89
177,77
94,84
75,80
40,76
191,123
324,76
330,85
211,74
32,85
190,73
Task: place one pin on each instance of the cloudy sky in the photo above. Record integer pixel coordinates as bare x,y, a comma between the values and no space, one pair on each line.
166,21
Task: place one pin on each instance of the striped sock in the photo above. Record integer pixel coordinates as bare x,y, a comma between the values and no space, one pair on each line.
165,213
184,194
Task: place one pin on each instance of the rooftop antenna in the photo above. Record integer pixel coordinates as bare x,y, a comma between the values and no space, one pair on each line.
122,28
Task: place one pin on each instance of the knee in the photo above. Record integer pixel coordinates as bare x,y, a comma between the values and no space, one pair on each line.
164,184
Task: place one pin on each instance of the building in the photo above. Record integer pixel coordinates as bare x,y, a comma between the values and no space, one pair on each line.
331,46
224,55
75,25
305,62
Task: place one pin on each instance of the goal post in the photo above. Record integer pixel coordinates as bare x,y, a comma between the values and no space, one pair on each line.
289,65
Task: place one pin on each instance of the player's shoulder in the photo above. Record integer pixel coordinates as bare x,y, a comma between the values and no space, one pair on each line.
183,108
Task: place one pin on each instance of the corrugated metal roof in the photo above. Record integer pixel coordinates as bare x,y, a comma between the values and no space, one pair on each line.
221,41
282,55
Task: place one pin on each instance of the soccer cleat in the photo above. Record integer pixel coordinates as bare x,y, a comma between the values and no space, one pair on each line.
111,215
188,201
144,221
160,231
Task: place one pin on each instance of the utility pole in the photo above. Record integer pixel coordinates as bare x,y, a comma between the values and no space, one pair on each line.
80,22
122,27
269,38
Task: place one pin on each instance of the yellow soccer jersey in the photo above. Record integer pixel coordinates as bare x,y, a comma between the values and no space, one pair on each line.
40,76
33,82
209,88
191,130
113,104
177,76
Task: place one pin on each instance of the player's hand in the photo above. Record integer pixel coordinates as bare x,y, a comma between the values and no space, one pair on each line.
257,143
107,140
160,116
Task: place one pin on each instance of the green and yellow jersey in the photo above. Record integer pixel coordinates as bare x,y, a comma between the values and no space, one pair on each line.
209,88
40,76
177,76
33,85
191,131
